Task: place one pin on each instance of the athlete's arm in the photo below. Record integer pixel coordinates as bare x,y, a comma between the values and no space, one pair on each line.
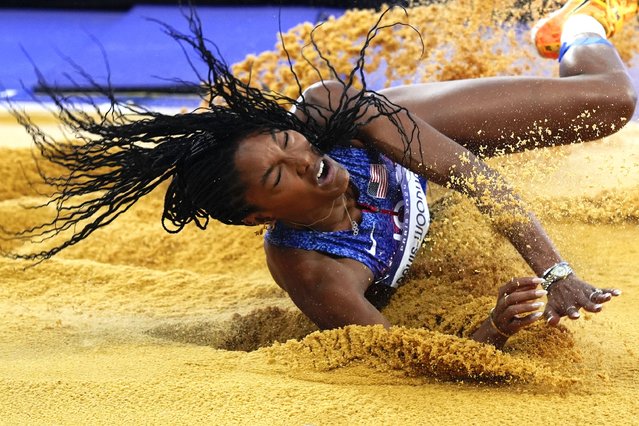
445,162
329,291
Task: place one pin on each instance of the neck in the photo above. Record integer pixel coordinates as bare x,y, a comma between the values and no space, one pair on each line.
336,217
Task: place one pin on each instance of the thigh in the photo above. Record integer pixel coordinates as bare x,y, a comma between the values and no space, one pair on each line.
496,114
487,113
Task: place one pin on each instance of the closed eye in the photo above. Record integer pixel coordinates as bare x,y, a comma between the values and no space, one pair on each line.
279,169
278,177
269,171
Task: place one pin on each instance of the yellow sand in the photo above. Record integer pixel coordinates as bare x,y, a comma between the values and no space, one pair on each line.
137,326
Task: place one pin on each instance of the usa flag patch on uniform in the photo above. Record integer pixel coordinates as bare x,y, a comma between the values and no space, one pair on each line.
378,184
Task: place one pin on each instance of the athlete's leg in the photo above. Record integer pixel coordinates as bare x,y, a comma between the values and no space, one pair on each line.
593,98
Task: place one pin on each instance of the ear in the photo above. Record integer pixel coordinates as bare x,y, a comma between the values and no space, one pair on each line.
257,218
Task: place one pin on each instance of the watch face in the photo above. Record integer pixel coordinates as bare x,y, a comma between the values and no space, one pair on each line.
561,271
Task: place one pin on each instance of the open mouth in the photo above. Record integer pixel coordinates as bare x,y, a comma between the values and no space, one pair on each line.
323,171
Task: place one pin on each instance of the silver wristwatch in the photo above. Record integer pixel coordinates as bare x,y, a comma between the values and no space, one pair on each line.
555,273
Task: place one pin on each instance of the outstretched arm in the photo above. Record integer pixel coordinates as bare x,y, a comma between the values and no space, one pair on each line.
330,292
443,161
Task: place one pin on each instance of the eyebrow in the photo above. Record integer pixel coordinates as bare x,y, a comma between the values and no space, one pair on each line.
270,169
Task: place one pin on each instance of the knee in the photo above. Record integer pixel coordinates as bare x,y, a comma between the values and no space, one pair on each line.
632,102
623,96
327,93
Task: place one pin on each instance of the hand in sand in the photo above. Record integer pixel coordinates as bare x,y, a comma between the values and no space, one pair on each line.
518,305
567,296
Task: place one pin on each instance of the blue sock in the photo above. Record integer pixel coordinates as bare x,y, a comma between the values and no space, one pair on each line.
582,41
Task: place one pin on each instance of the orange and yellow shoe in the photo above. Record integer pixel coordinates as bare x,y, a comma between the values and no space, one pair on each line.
612,14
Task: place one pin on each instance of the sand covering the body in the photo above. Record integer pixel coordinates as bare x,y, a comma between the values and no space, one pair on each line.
135,325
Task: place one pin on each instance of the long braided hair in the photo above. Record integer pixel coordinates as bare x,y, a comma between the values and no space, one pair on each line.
119,155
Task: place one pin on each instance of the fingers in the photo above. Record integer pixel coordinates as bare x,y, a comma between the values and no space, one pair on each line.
519,309
582,301
518,304
593,303
599,296
603,295
570,309
552,317
571,299
520,296
572,312
525,321
522,299
518,284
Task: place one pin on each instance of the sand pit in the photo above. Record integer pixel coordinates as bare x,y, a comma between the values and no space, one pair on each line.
137,326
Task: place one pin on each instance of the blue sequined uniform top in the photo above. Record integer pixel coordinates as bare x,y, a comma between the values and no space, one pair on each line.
375,179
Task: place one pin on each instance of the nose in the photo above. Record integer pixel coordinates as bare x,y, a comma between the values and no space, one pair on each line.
303,163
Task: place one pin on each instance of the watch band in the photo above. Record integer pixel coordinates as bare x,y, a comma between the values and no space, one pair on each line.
555,273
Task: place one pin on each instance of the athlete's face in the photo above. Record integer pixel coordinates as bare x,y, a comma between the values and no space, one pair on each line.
286,178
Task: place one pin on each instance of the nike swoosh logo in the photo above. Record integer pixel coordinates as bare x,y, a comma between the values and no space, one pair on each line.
373,249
